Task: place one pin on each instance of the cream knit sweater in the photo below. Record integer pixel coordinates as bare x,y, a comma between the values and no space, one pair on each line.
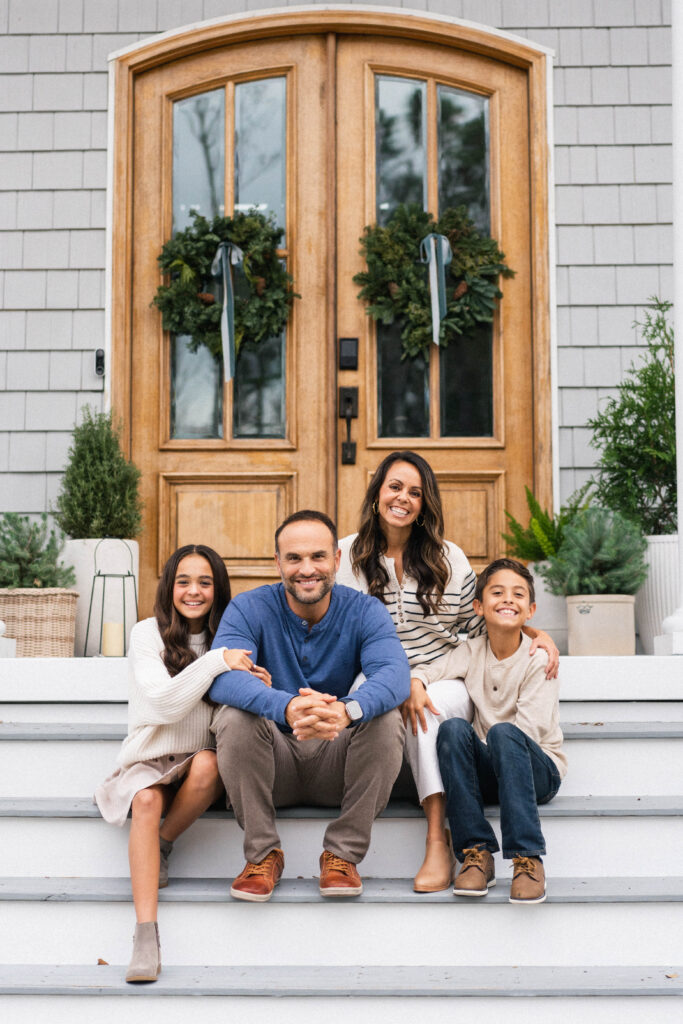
166,715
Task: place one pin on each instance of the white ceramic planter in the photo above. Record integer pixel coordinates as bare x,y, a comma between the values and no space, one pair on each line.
106,556
601,624
658,595
551,610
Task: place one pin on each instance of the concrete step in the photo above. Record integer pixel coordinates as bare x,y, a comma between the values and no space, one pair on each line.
209,928
54,759
608,835
433,995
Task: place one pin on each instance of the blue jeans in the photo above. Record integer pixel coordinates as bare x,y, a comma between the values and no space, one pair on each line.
510,770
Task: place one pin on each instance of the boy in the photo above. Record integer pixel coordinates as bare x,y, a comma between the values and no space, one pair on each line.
512,752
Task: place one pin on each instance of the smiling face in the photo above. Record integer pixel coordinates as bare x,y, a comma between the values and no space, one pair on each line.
505,602
193,590
399,501
308,561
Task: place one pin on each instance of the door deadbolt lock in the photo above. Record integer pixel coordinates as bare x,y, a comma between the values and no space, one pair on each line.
348,410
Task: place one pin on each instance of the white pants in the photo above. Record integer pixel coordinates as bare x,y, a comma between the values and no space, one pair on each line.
450,697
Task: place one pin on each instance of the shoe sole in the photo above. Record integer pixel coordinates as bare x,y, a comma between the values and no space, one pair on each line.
474,892
539,899
341,891
432,888
251,897
144,977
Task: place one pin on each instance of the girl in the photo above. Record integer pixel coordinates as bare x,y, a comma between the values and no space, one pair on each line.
400,556
166,767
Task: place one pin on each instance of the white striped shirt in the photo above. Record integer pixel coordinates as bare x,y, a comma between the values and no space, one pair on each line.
426,639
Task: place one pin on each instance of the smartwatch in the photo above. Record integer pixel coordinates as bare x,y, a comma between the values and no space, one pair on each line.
353,710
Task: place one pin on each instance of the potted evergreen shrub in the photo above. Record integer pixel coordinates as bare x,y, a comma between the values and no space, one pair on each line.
536,543
100,508
36,602
635,433
598,567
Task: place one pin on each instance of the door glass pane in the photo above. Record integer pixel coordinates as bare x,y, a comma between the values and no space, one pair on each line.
259,390
196,391
463,134
467,384
400,143
260,115
198,156
402,386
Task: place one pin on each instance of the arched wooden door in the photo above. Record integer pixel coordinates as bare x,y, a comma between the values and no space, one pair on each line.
327,121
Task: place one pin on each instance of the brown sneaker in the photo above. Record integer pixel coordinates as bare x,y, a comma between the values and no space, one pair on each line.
338,877
257,881
477,873
528,880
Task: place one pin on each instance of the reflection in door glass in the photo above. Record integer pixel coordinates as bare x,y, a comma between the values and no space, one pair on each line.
463,132
467,384
260,115
259,390
402,388
198,156
196,392
400,135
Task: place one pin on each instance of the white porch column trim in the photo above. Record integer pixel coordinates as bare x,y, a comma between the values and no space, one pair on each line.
672,641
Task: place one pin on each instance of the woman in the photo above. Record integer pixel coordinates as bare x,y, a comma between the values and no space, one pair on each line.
166,766
399,555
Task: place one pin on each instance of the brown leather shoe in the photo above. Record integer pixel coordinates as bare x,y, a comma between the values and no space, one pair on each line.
257,881
338,877
436,872
528,880
477,873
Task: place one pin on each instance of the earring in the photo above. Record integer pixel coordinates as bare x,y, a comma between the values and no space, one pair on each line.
417,520
374,508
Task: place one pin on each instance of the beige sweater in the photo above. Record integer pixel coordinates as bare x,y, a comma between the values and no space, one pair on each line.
166,715
512,690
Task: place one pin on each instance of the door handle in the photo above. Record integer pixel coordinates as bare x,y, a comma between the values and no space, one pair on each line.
348,410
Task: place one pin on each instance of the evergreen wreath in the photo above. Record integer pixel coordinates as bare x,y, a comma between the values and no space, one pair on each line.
395,285
263,298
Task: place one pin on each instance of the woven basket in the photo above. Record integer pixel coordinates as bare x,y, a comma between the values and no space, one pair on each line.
42,621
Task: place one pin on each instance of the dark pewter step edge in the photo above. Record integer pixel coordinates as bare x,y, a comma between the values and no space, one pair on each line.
51,731
375,890
309,980
560,807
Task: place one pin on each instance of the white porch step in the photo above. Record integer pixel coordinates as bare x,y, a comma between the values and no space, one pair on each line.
610,835
306,995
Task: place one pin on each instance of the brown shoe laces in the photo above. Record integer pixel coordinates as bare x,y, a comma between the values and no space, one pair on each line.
331,862
252,870
525,865
474,858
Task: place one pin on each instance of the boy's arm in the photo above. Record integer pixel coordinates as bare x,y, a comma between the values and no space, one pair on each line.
453,665
537,701
241,689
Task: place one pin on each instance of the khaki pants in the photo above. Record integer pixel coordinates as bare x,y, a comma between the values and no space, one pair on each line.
263,768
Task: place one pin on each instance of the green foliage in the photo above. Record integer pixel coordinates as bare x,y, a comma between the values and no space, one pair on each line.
263,293
543,536
395,285
28,556
602,552
99,495
636,433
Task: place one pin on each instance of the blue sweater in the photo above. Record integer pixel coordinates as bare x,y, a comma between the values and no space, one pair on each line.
356,634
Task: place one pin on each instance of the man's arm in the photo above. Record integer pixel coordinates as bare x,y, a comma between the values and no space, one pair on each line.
383,661
241,689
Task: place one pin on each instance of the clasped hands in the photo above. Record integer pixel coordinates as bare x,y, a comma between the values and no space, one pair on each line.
316,716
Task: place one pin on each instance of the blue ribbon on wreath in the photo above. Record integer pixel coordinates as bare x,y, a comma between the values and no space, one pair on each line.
435,250
227,256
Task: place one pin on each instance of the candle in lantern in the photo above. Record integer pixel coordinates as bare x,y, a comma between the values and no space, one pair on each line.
112,639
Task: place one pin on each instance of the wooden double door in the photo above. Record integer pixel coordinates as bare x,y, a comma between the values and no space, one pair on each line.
327,127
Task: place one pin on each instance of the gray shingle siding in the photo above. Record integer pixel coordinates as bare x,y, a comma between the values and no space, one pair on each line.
612,124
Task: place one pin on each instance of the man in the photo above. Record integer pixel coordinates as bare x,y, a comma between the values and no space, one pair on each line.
306,739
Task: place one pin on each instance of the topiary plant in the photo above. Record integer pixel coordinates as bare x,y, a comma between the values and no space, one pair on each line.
543,536
28,556
636,433
602,552
100,489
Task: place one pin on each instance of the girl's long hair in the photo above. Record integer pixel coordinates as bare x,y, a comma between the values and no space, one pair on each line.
174,627
423,558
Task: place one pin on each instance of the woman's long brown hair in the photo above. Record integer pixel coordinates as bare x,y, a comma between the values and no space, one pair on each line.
174,627
423,558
